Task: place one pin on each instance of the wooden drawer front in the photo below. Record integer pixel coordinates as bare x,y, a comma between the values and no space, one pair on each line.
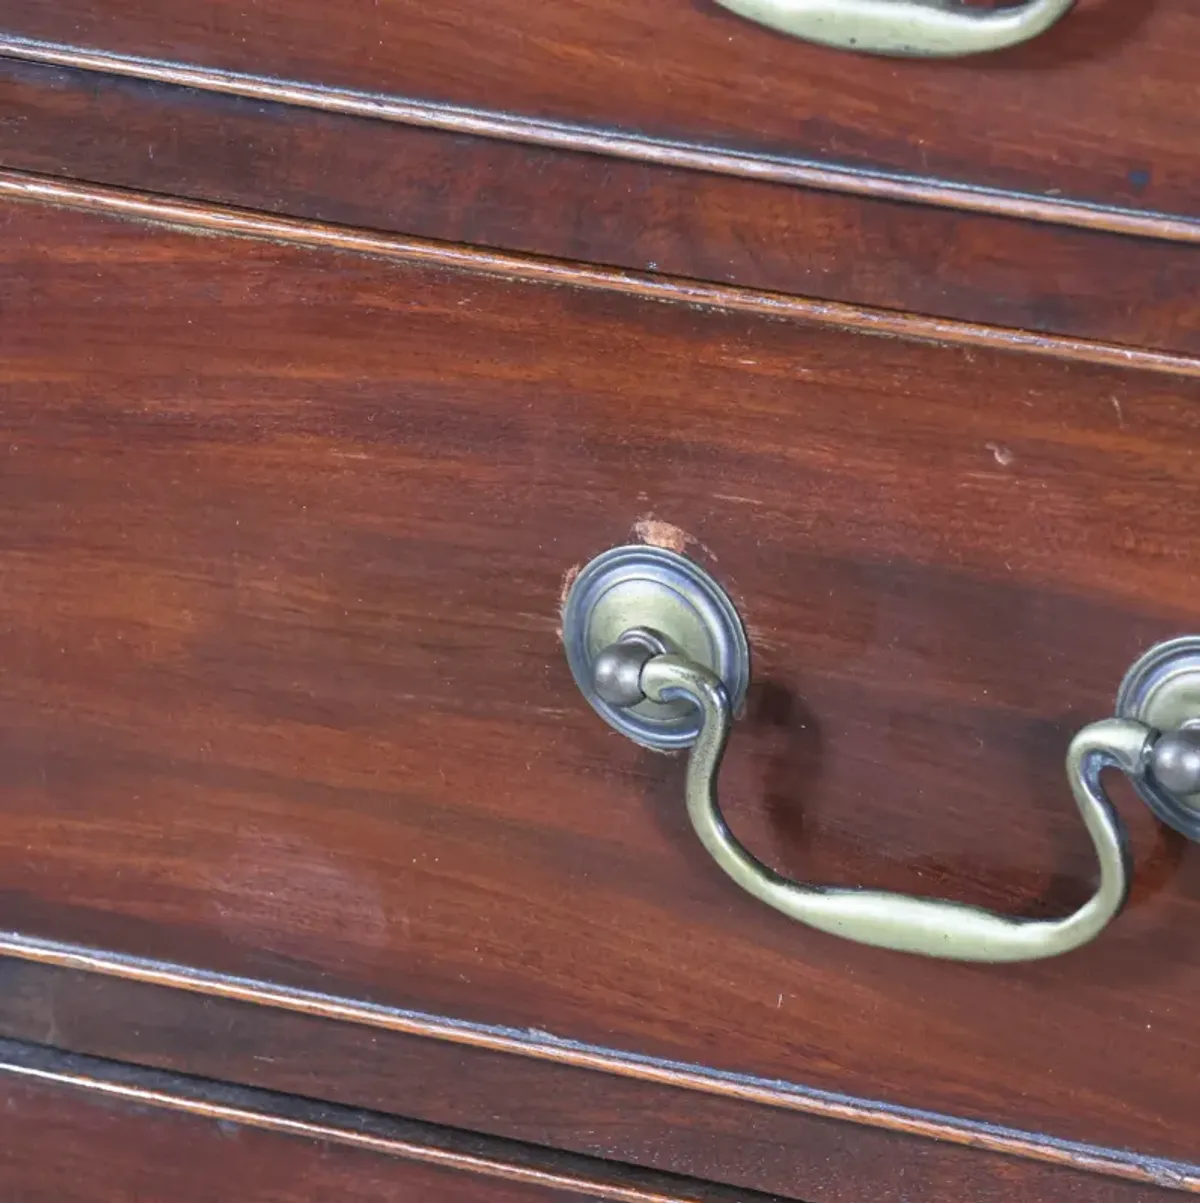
764,234
284,537
77,1130
1101,107
68,1144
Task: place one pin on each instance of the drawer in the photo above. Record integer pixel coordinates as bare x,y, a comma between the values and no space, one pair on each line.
79,1130
889,253
1099,108
284,711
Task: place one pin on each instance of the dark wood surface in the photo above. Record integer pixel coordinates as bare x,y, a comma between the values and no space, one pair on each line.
1100,108
284,537
77,1130
497,193
809,1155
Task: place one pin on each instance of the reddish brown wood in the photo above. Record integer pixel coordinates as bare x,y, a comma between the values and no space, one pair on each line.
802,1155
284,536
809,173
78,1130
580,206
1100,108
539,269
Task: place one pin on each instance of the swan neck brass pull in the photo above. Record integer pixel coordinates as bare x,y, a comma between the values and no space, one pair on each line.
658,649
912,28
900,922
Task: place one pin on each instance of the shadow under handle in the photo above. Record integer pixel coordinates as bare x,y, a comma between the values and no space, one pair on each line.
901,922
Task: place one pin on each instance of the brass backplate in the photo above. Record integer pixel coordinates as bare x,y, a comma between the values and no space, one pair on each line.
648,587
1162,690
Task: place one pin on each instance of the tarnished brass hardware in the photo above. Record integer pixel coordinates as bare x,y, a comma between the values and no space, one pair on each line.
1162,691
950,930
648,598
1154,739
909,28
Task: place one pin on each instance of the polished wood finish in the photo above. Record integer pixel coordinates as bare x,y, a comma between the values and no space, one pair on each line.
79,1130
1053,207
838,1150
1100,108
285,535
503,194
539,269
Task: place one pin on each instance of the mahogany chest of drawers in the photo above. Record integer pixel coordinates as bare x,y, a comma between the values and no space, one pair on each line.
391,395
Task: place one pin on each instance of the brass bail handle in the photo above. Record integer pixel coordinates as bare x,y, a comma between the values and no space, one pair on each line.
640,667
910,28
660,652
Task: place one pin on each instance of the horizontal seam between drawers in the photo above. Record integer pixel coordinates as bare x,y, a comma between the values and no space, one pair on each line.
594,140
534,269
786,1096
287,1125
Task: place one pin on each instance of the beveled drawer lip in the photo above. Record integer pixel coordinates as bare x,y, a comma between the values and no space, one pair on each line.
540,1046
762,234
233,222
562,135
325,1130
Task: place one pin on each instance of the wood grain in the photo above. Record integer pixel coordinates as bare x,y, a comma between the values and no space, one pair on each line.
534,1047
805,1155
539,269
700,225
285,533
79,1130
1099,109
613,144
1051,207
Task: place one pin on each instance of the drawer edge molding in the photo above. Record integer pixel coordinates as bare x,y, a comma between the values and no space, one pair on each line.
539,1046
829,177
101,1082
311,1129
210,219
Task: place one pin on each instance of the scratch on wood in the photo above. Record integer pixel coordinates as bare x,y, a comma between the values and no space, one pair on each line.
657,533
564,590
567,581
